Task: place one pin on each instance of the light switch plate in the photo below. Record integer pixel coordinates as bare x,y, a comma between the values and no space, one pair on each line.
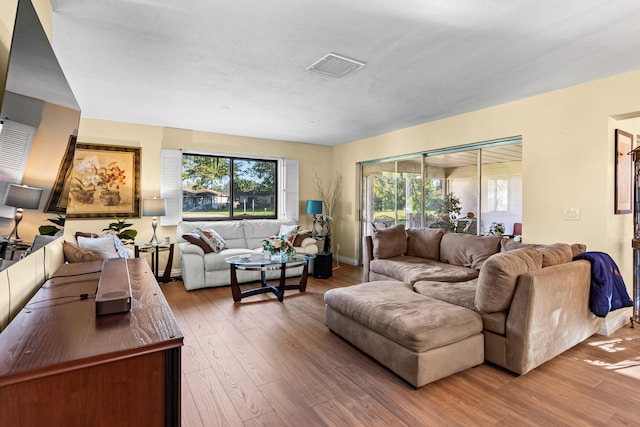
571,214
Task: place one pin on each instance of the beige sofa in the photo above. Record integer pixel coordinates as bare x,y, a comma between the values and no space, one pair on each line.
532,299
201,270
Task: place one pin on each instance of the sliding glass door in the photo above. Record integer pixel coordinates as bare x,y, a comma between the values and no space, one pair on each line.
467,189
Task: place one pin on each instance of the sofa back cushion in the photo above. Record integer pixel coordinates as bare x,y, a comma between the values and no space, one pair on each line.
577,249
257,230
389,243
424,242
557,253
499,276
507,244
231,232
467,250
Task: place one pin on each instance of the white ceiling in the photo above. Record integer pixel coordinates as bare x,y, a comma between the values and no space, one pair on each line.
238,66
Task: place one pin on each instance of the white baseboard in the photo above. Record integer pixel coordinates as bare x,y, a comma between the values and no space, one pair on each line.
615,320
345,260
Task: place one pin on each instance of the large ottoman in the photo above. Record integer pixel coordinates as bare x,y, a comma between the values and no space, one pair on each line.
419,338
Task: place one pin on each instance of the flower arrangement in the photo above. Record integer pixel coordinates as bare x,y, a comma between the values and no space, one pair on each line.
279,245
111,177
496,229
92,176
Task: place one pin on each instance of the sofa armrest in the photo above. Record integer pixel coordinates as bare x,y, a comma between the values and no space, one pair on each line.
367,256
549,314
308,246
190,248
308,241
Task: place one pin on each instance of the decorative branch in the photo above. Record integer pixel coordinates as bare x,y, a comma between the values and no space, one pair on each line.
330,195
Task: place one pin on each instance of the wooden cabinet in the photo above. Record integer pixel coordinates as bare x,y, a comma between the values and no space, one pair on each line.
62,365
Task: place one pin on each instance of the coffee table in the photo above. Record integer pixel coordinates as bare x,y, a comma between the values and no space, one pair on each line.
260,263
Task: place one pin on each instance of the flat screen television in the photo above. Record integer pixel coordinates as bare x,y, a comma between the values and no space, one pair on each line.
37,99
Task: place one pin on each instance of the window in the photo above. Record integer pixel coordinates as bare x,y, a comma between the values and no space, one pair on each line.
217,187
462,189
498,195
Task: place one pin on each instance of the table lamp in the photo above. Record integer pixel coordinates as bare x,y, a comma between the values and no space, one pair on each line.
154,207
21,197
314,207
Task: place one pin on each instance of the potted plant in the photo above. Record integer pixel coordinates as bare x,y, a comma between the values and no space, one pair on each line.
120,229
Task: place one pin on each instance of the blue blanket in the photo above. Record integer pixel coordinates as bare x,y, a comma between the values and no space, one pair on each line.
608,291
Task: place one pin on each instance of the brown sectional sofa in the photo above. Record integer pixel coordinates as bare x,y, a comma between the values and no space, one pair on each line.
532,299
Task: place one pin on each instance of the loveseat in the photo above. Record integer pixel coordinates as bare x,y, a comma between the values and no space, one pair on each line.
201,270
531,302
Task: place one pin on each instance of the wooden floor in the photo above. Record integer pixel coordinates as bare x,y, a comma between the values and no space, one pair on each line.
261,362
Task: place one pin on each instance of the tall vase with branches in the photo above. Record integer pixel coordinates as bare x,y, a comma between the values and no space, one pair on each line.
330,196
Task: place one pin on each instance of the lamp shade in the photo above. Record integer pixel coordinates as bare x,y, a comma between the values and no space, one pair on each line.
154,207
314,207
23,196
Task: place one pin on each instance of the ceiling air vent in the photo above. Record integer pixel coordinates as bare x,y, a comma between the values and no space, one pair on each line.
335,65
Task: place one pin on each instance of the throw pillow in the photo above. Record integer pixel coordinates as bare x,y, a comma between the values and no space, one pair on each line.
289,231
196,240
300,236
424,242
577,249
104,246
499,275
389,243
213,239
83,234
557,253
73,254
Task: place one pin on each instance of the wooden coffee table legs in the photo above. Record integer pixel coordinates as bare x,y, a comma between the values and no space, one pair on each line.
265,287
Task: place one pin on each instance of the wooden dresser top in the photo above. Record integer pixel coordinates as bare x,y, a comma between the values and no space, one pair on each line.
58,331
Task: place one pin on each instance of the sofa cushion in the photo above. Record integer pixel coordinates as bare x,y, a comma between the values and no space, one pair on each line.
300,236
104,246
458,293
389,243
467,250
256,230
507,244
231,231
216,261
73,253
196,240
412,269
557,253
499,275
395,311
464,295
289,231
577,249
213,239
424,242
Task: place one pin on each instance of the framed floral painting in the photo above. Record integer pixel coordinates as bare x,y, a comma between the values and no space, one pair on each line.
104,182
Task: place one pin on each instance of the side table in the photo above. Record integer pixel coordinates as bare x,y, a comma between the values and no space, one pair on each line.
155,249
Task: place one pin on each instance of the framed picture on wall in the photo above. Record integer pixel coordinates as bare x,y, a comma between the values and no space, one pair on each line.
103,182
58,199
623,192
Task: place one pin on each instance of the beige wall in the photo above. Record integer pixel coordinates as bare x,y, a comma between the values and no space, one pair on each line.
152,139
568,148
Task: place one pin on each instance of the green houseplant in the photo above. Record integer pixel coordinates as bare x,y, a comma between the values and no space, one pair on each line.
121,229
51,230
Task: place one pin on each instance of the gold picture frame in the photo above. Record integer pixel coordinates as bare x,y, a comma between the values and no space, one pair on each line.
103,182
623,175
59,197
